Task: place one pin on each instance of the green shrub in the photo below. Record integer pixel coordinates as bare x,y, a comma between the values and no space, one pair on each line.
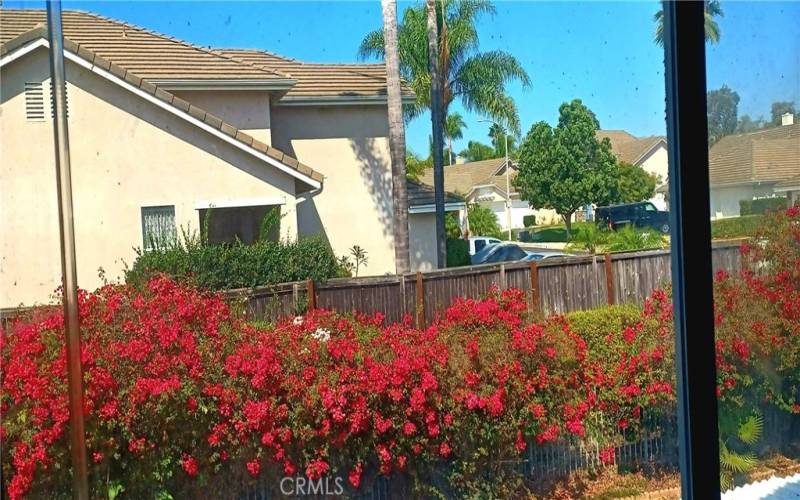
483,222
529,220
629,239
595,325
761,206
457,253
736,227
219,267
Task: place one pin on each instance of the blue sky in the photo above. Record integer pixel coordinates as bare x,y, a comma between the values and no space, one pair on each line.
601,52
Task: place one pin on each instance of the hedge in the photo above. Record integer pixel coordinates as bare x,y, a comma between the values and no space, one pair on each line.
736,227
457,253
219,267
761,206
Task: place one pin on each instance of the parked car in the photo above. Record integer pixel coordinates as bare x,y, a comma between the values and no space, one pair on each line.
544,255
499,252
641,215
478,243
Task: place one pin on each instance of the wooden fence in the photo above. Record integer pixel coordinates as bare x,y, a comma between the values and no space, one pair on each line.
556,285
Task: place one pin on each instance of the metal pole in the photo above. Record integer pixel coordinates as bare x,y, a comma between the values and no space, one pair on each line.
508,189
68,265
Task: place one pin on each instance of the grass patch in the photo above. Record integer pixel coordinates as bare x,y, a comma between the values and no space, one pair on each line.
736,227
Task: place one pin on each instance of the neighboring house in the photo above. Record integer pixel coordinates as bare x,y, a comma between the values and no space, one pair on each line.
754,165
484,183
650,153
422,223
161,131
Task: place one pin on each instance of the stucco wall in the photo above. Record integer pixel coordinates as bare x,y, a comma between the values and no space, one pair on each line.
349,146
725,200
246,110
422,241
657,163
122,160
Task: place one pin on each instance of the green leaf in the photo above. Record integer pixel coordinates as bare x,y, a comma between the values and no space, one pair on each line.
750,429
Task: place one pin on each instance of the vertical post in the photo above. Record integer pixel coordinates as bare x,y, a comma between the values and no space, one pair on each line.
609,279
420,310
311,294
535,304
692,285
403,305
503,282
295,296
68,263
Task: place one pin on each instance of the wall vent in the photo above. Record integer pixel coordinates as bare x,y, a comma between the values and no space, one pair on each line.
34,101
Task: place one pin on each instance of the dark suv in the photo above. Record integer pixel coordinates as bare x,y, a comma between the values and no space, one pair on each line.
641,215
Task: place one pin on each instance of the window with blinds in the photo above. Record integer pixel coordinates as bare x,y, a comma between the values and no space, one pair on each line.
158,227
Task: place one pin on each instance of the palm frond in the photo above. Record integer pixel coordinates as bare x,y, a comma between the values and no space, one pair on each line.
737,463
751,429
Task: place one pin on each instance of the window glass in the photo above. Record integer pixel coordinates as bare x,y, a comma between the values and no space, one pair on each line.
753,74
158,226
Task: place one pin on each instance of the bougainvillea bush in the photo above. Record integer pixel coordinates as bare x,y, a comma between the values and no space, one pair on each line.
185,399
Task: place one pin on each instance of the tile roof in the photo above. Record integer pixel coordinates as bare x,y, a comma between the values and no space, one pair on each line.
422,194
627,147
462,177
774,488
193,111
148,54
764,156
320,80
161,58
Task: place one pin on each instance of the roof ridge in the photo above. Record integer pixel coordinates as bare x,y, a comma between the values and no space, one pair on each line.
304,63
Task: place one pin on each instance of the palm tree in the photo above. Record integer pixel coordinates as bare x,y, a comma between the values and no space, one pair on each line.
397,137
453,129
437,122
478,79
712,9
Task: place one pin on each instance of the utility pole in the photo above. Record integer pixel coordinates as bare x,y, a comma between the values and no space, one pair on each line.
68,266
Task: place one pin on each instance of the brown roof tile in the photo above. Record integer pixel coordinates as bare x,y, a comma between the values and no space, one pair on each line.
321,80
627,147
422,194
147,54
462,177
764,156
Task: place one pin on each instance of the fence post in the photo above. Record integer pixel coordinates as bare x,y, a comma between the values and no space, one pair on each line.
420,310
535,305
609,280
295,296
311,294
503,283
403,305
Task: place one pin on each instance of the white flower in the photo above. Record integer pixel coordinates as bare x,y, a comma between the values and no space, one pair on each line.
298,320
322,335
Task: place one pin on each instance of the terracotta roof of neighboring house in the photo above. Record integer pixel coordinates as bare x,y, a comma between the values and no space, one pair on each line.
789,184
421,194
765,156
149,55
462,177
321,80
627,147
186,109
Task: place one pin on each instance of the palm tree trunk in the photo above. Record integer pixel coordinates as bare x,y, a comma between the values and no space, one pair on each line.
449,151
436,120
397,137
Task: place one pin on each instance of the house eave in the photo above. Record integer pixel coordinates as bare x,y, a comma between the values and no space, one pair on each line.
230,84
430,208
346,100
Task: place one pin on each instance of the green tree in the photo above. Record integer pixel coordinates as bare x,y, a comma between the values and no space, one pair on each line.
635,183
478,79
713,9
477,151
778,110
722,113
453,129
497,134
747,124
566,167
416,165
483,222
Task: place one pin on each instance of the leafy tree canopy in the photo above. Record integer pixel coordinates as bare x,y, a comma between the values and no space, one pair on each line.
778,110
566,167
635,184
477,151
483,222
722,112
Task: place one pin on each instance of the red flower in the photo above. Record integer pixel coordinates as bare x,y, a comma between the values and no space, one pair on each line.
355,475
189,465
254,467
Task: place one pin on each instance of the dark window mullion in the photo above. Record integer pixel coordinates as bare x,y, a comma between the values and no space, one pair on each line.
692,283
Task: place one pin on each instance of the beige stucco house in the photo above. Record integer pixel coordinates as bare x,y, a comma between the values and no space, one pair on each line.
759,164
162,130
650,153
